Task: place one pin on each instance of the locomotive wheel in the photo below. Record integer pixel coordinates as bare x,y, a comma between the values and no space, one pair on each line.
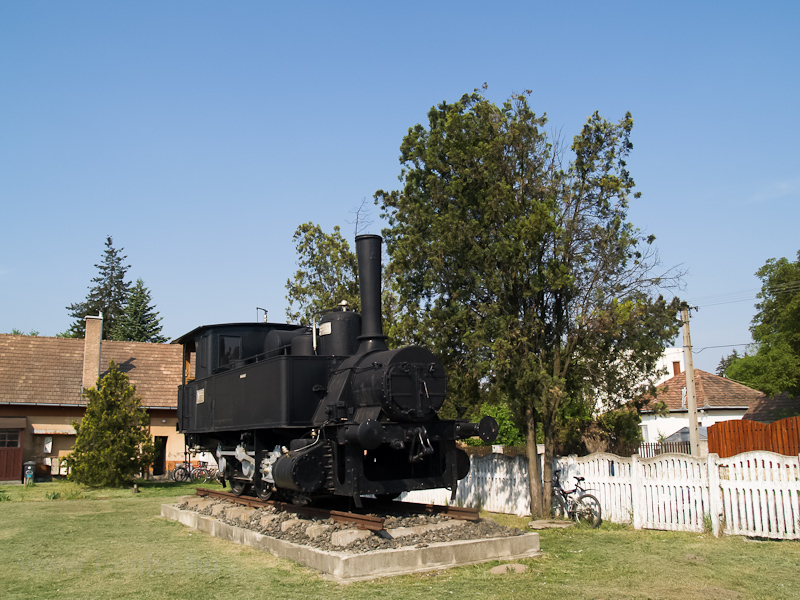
263,490
238,487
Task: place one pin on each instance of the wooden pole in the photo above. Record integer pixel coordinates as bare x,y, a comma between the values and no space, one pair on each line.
691,396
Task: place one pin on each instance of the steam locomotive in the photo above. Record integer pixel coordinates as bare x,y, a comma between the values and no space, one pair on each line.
307,412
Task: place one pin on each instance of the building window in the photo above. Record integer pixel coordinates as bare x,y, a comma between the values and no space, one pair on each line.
9,438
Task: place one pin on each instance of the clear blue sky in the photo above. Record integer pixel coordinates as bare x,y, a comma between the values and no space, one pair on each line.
200,134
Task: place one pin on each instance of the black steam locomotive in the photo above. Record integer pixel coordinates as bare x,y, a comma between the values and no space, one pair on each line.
308,412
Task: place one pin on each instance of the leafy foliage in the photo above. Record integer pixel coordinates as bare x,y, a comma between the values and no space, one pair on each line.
327,274
773,369
107,296
139,321
775,365
616,431
32,332
524,274
113,443
508,433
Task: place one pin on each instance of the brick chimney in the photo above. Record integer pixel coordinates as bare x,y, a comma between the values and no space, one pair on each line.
91,350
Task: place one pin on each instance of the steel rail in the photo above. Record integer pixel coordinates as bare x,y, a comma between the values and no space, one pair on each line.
367,522
462,513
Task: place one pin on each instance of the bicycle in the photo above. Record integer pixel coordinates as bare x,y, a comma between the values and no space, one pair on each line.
185,472
576,504
182,472
201,472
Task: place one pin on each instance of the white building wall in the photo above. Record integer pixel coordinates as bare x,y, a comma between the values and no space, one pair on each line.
665,363
654,426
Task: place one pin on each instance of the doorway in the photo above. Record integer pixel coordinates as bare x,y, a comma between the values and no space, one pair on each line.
160,460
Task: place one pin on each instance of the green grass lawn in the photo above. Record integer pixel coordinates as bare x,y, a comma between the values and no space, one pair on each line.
110,543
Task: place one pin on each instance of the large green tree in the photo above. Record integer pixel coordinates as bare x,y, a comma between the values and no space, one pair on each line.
774,366
107,295
113,443
327,274
139,321
523,272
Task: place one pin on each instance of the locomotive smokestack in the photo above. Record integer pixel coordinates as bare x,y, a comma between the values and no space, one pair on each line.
368,253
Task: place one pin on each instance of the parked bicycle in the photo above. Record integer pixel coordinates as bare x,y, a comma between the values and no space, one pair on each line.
182,472
199,473
212,473
575,504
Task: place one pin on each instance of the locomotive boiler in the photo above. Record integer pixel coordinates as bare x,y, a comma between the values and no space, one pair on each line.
319,411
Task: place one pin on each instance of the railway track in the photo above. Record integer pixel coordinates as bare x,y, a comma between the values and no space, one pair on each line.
454,512
360,521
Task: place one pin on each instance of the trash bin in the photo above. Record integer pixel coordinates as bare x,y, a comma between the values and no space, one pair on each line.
28,469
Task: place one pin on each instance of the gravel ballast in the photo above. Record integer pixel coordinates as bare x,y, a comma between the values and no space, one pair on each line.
401,530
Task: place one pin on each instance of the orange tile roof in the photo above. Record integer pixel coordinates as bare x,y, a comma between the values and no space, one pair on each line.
712,391
773,408
44,370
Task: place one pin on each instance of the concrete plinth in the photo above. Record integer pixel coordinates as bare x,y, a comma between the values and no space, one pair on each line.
379,563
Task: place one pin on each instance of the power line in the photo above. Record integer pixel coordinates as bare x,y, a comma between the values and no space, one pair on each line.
726,296
723,346
746,295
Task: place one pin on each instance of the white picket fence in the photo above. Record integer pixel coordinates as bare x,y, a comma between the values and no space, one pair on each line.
753,494
759,494
495,482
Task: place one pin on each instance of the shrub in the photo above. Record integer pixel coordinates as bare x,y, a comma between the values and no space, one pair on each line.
113,443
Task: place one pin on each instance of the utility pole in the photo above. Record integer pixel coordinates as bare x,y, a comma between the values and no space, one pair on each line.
691,396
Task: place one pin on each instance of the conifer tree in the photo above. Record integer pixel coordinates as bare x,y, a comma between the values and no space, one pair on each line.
108,295
139,321
113,443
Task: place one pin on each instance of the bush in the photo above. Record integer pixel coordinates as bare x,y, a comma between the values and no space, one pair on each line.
508,434
113,443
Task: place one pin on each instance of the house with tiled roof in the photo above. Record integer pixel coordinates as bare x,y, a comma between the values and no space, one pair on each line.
718,399
41,384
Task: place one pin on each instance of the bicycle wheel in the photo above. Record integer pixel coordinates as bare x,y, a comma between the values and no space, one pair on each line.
181,474
587,511
200,474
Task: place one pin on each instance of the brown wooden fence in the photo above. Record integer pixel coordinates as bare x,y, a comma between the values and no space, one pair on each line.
734,437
